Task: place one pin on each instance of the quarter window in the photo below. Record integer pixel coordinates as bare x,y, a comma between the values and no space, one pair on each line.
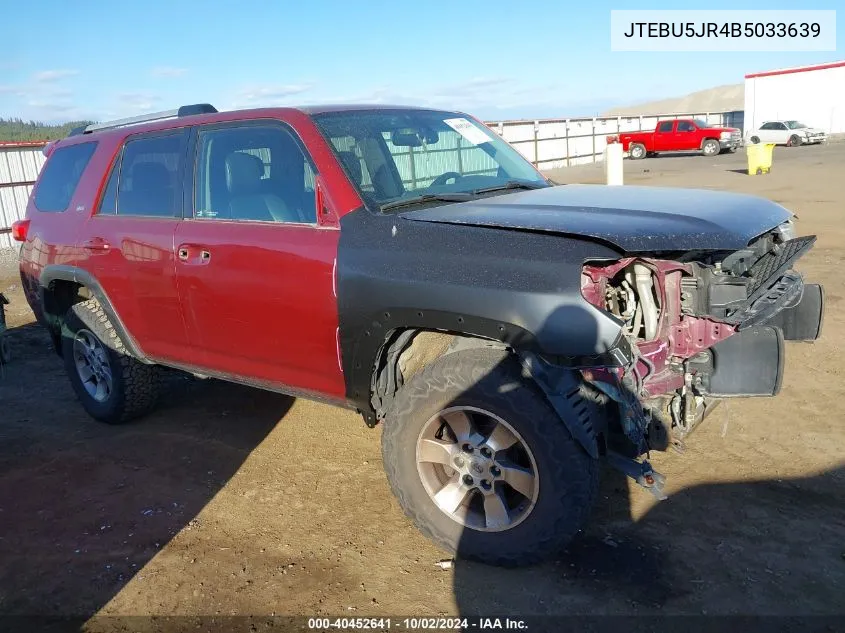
254,173
61,176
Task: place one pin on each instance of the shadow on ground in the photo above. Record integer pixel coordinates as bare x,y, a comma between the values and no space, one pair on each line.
142,483
640,566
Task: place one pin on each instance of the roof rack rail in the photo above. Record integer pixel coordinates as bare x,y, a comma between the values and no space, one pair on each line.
185,110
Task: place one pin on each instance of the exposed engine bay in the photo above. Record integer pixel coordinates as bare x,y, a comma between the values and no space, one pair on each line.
703,326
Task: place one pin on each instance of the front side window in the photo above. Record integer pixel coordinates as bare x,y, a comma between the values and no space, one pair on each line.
685,126
254,173
61,176
393,156
149,182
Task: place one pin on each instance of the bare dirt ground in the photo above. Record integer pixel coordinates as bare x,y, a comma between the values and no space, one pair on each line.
234,501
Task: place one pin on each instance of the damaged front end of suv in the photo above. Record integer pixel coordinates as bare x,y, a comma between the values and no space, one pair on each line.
701,326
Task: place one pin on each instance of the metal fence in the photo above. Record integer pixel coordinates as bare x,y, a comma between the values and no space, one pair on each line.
553,143
19,167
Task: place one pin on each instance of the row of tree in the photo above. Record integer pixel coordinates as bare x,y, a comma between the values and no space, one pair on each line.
20,130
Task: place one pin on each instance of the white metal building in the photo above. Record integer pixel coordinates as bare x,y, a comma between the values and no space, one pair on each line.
20,163
814,95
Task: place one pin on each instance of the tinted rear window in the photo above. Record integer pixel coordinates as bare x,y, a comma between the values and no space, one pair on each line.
61,175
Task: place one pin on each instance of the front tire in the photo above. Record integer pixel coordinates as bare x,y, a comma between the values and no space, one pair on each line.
710,147
483,465
112,386
794,141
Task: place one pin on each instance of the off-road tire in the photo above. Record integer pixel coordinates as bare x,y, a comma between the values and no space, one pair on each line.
710,143
637,151
492,380
135,385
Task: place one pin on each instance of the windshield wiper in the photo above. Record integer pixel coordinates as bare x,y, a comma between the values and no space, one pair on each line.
445,197
511,184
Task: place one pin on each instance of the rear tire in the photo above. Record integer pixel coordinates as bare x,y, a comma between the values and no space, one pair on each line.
637,151
468,390
755,139
112,386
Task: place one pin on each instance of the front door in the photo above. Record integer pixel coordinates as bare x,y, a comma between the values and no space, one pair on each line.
255,268
685,136
128,241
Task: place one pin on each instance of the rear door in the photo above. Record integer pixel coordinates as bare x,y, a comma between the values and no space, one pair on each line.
255,267
128,241
664,139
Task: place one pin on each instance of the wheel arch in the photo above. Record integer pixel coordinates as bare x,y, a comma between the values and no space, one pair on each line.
385,359
62,286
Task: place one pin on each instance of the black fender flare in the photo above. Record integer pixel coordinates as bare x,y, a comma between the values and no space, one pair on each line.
61,272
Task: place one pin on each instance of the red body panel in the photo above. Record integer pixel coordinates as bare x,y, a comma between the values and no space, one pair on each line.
137,272
262,306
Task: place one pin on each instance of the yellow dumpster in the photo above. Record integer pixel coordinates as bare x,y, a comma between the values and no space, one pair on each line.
759,158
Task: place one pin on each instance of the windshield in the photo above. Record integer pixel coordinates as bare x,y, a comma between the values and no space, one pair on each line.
394,156
795,125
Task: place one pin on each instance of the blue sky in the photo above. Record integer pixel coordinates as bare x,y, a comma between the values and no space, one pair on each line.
100,60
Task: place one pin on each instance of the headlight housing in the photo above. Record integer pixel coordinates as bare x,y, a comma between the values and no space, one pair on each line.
786,230
726,134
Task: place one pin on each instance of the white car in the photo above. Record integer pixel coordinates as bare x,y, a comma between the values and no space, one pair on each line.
789,133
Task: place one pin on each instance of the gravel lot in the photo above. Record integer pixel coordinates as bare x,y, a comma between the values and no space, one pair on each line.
234,501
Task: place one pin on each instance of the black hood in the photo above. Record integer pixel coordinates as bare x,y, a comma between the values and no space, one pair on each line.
635,219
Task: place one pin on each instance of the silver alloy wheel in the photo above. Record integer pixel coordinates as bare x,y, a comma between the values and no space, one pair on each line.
711,149
92,365
477,469
637,151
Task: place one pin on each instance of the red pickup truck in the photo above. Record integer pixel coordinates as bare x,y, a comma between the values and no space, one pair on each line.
679,136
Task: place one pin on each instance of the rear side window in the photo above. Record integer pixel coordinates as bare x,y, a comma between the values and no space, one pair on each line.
147,179
666,126
61,176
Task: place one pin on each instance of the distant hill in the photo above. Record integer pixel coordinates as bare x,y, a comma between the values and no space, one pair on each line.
20,130
719,99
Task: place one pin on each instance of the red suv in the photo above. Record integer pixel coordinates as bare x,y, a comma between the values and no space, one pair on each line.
411,265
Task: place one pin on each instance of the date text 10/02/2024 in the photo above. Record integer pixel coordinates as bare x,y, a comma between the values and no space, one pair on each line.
416,624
